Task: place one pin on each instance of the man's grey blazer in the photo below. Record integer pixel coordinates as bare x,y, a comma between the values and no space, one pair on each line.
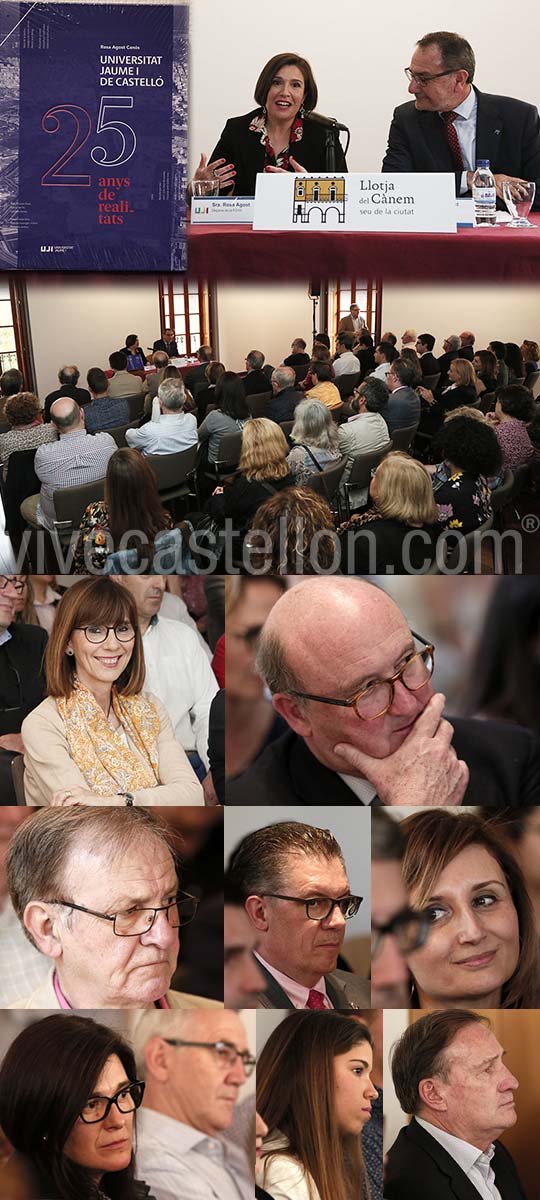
344,990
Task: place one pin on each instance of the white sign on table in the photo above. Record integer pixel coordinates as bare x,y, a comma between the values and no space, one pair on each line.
419,203
222,210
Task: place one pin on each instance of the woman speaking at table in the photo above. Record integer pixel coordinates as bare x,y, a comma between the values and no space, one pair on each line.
282,134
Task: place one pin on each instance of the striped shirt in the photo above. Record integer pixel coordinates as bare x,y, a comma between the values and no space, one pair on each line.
75,459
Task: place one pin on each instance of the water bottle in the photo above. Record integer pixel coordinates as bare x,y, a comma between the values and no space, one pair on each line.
484,193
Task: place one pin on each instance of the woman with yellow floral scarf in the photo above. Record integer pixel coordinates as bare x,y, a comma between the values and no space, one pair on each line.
98,738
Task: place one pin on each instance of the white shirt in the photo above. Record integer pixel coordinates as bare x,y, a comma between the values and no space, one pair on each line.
297,993
346,364
179,1162
465,127
362,788
474,1163
381,372
176,609
179,674
173,432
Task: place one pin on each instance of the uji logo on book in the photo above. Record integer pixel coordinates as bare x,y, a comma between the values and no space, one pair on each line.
47,249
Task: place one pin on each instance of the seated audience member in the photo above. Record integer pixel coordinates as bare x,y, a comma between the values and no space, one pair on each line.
319,353
365,354
68,378
74,459
514,409
404,403
193,1066
122,383
121,869
285,395
256,380
346,362
408,339
131,502
323,388
159,360
499,350
530,352
446,855
167,342
293,534
461,389
195,377
263,469
307,1074
395,928
471,455
383,357
467,340
366,430
485,367
104,411
98,738
399,532
251,722
298,356
22,682
316,439
136,358
243,979
23,413
175,430
230,416
514,362
328,750
11,383
206,394
72,1131
503,680
424,349
297,956
178,671
390,337
323,338
460,1107
409,355
451,347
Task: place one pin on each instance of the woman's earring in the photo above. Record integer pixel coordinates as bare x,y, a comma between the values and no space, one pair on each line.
69,651
302,111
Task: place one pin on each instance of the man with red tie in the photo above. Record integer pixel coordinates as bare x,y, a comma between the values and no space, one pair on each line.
297,895
450,124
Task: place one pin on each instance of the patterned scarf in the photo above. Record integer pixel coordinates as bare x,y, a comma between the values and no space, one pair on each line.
101,754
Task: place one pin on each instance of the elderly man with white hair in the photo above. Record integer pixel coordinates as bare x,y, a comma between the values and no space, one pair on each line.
174,429
194,1065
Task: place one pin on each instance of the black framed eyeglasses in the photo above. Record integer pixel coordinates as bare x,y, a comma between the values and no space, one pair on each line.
374,700
318,908
127,1099
99,633
137,921
423,79
409,928
226,1052
18,585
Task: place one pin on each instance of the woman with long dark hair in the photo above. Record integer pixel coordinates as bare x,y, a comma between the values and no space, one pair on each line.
230,415
504,681
68,1094
314,1093
131,502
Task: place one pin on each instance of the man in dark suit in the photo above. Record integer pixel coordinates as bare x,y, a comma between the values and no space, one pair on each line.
467,340
22,681
404,404
167,343
298,356
365,355
450,124
285,395
448,1071
256,380
424,349
68,378
297,895
322,647
196,378
451,347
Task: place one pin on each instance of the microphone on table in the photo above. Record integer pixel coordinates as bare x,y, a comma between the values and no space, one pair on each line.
328,121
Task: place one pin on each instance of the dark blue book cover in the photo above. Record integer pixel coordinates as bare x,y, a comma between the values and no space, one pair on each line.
93,142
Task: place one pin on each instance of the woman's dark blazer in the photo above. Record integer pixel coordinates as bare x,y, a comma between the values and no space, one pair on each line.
260,1195
432,417
237,145
44,1189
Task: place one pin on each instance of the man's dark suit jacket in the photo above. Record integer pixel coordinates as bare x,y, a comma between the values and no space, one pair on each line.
196,377
170,348
418,1166
403,409
22,688
366,358
297,360
503,760
281,407
81,395
344,989
429,364
239,146
256,382
466,352
443,363
507,133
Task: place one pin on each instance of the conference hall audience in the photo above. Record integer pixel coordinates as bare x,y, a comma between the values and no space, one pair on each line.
160,360
346,363
130,502
499,350
68,378
404,403
459,390
451,348
403,504
323,388
424,348
104,411
255,380
174,430
530,352
390,337
76,458
285,395
122,383
384,355
206,394
230,416
467,339
514,362
514,410
298,356
23,413
315,435
408,338
365,354
263,469
408,353
195,377
11,383
292,533
471,455
319,354
485,367
366,430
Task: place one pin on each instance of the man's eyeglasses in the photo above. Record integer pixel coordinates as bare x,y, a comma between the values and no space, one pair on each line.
18,585
227,1054
319,908
99,633
423,79
375,699
97,1108
136,921
409,928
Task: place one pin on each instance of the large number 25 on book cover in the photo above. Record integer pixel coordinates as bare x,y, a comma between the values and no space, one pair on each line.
93,141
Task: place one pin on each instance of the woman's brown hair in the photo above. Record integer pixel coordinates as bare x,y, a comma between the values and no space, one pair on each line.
132,497
274,65
295,1097
92,602
22,409
433,840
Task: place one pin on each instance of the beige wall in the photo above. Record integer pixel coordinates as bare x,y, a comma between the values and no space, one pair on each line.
507,314
263,318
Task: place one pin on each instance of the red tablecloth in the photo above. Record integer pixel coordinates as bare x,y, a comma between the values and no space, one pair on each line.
495,254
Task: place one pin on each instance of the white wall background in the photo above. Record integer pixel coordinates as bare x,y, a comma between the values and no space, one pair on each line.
502,314
396,1021
357,54
263,318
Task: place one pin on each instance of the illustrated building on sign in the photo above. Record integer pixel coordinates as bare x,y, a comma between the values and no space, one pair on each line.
318,196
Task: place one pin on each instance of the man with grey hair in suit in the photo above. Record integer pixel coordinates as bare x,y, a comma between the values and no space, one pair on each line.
297,895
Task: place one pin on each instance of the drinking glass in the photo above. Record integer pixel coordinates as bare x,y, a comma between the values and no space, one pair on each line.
519,206
205,187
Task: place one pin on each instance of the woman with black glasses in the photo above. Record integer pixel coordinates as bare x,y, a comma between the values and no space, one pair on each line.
68,1095
98,738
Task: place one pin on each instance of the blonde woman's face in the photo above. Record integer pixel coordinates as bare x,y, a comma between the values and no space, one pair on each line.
473,947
